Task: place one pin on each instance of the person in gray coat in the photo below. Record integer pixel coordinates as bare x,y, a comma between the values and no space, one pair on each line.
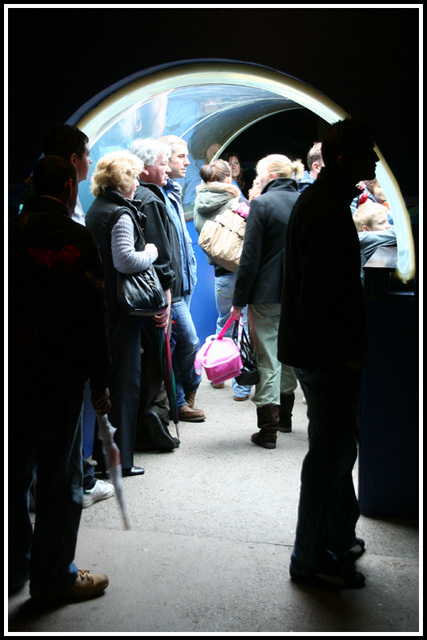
215,195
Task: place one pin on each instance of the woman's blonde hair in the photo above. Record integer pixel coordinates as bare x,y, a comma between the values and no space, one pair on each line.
366,214
281,165
116,170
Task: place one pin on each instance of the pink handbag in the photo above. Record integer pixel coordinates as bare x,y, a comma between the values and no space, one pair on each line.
219,356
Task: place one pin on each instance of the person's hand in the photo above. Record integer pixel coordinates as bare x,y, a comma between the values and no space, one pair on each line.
235,312
101,400
161,320
152,250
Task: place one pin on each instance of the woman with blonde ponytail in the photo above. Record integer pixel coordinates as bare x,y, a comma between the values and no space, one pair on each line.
259,285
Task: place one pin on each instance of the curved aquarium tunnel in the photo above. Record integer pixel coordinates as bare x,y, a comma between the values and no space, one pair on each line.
209,103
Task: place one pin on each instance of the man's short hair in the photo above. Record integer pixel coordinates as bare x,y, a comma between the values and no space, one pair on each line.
343,138
63,140
149,149
50,175
314,155
173,141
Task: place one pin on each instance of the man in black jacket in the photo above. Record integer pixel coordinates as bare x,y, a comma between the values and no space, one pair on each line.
70,143
153,417
58,338
322,335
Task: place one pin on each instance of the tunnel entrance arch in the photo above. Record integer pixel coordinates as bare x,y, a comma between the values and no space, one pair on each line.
209,103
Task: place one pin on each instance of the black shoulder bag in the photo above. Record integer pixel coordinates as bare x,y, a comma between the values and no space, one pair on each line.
139,294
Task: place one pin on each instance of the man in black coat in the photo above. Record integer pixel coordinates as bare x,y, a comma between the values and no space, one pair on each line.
153,417
322,335
58,338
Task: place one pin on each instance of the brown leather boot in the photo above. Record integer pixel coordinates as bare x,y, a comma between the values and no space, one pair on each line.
190,398
268,421
285,412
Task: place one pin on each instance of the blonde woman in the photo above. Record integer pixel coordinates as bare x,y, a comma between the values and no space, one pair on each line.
111,219
259,285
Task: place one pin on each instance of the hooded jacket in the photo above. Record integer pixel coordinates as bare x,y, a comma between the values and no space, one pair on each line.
212,199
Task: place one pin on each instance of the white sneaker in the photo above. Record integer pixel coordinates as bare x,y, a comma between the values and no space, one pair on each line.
101,491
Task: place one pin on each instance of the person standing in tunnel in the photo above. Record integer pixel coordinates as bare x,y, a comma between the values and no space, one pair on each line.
72,144
259,285
314,166
154,411
187,341
58,338
322,334
215,195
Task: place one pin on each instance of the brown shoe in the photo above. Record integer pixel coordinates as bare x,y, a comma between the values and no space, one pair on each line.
87,585
187,414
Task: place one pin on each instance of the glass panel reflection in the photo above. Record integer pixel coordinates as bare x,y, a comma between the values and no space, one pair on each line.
207,117
209,103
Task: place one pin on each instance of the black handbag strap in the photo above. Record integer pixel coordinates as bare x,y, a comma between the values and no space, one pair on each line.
244,340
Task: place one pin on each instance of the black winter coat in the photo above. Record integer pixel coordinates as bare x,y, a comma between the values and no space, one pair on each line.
159,230
57,315
323,308
260,272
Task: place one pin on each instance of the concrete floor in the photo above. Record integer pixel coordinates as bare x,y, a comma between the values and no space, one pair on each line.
213,525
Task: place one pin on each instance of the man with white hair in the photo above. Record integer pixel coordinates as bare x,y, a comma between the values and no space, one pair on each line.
154,413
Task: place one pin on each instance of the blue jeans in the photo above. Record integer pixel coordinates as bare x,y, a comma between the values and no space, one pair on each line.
224,291
45,436
186,348
328,508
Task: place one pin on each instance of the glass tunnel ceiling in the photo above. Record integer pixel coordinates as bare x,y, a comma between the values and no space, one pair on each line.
209,103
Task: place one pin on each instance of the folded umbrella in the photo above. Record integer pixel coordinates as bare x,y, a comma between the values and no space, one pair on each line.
113,462
169,378
164,352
